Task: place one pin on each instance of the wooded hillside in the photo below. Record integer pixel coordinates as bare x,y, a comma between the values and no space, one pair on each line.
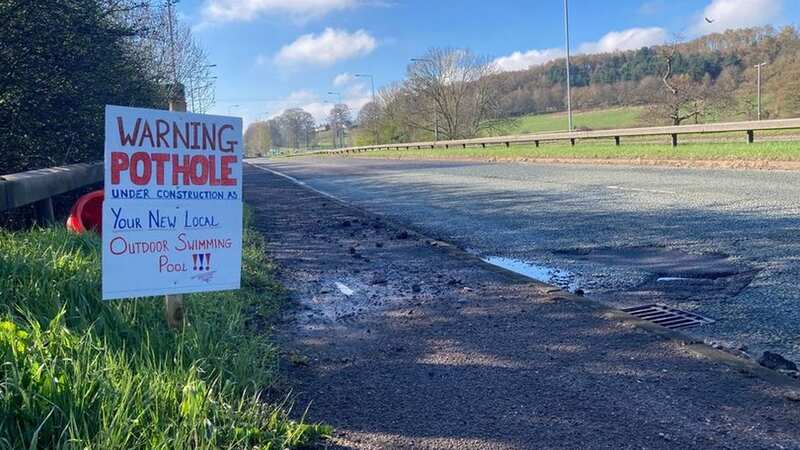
725,60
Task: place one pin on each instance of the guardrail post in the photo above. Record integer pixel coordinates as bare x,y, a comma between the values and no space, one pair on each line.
616,140
572,141
674,140
483,144
508,144
750,136
464,145
44,212
536,143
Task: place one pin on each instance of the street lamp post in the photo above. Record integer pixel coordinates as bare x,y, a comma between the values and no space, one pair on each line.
371,80
569,94
758,86
435,109
372,83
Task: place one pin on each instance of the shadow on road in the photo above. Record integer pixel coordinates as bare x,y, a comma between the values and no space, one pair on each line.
462,355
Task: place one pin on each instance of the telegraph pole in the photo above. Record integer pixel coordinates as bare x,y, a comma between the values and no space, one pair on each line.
569,94
758,86
172,55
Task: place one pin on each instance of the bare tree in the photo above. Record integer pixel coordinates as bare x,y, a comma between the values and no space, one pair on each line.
164,42
340,118
450,92
276,135
298,127
682,98
257,140
369,119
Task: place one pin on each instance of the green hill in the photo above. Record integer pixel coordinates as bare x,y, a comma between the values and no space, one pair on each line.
595,120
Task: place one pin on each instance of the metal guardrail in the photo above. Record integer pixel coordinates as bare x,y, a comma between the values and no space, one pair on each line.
40,186
749,128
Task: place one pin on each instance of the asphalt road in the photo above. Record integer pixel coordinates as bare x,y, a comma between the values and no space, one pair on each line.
402,342
721,243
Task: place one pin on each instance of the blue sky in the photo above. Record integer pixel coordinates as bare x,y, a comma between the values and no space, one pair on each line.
275,54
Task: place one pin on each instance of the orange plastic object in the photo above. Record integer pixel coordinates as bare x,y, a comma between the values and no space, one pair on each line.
87,214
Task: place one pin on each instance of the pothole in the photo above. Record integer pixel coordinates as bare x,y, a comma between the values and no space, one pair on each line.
666,263
550,275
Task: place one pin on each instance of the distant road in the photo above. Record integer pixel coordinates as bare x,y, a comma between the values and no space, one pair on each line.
612,227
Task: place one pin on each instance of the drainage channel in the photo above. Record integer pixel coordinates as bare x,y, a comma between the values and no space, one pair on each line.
659,314
668,317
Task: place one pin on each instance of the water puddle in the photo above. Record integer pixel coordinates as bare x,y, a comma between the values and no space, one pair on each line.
550,275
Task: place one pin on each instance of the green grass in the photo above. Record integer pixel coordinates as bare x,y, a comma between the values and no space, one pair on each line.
734,151
595,120
81,373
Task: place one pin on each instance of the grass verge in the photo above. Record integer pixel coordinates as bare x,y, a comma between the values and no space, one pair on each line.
763,151
80,373
593,120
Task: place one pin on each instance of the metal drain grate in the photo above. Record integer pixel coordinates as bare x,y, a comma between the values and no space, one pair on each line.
668,317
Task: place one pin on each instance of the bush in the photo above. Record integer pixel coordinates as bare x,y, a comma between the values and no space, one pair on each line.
61,62
78,372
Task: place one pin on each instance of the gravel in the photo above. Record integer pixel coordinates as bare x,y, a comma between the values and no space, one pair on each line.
542,213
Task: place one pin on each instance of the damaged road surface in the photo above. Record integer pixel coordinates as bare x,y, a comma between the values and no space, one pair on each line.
401,341
718,243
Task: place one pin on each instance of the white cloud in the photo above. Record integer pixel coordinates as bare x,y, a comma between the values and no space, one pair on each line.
342,79
215,11
326,48
613,41
521,61
631,39
730,14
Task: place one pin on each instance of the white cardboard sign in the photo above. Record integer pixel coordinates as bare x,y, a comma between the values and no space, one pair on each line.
172,212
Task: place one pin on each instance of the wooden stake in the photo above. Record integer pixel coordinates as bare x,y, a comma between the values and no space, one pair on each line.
173,304
173,310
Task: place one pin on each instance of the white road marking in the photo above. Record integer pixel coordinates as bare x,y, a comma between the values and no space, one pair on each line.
344,289
652,191
295,180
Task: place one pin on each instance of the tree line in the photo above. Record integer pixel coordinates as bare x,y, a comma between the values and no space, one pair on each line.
296,129
62,61
708,78
451,93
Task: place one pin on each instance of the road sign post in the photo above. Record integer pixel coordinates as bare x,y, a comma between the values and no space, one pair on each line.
173,304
